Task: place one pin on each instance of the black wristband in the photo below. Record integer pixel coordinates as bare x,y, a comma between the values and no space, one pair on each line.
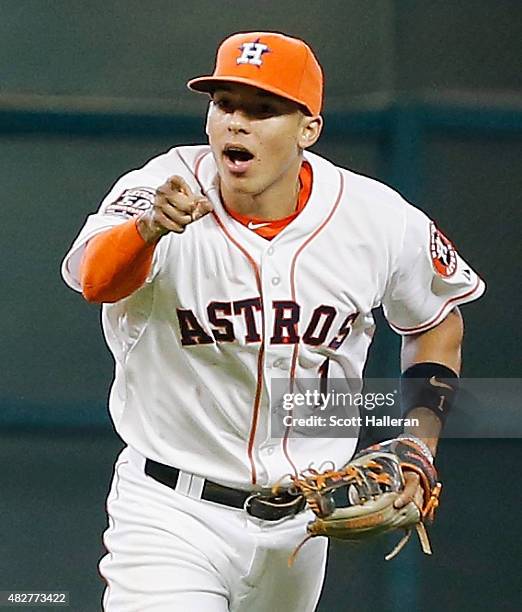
429,385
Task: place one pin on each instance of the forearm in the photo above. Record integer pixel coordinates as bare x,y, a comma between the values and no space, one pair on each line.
115,264
427,429
435,356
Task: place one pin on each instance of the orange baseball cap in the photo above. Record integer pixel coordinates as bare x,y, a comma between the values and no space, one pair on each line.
280,64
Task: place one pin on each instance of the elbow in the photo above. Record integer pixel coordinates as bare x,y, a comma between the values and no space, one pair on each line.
94,290
93,294
90,289
106,293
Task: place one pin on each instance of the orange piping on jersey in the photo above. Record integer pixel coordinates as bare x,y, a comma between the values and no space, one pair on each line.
433,320
261,355
115,263
292,285
299,251
306,177
196,167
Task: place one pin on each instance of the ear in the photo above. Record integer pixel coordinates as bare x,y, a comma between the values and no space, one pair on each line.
311,128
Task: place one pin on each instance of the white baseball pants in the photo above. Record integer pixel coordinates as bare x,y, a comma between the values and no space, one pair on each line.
168,552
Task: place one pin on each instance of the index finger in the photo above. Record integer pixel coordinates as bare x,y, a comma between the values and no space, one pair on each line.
178,183
410,489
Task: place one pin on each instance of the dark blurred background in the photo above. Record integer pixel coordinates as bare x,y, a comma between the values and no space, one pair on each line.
423,94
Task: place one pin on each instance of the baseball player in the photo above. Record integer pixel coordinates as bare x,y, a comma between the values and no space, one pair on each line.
221,267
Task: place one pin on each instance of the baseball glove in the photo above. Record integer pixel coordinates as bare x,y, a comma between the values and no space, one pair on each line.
372,481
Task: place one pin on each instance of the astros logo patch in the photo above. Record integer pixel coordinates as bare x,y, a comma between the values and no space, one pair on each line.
252,53
132,201
442,253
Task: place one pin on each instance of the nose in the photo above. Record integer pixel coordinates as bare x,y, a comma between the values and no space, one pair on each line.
238,122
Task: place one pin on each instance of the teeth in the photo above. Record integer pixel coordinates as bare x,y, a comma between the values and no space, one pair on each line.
238,154
237,149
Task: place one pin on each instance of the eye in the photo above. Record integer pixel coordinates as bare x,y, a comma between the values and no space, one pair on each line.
224,104
265,110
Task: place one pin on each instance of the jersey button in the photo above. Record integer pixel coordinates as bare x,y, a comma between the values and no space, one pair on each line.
270,450
276,280
270,251
282,364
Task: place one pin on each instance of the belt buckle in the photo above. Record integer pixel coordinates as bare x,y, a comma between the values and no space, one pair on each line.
269,510
246,504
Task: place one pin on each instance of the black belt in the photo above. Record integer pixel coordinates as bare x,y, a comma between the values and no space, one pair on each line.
266,507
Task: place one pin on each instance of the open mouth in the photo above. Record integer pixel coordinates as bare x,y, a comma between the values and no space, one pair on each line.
238,156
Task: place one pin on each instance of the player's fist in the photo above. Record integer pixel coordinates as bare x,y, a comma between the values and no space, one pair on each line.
175,206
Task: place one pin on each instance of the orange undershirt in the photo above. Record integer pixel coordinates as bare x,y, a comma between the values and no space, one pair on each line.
116,262
270,229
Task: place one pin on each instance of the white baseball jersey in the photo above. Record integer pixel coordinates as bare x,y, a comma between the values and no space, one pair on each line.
223,311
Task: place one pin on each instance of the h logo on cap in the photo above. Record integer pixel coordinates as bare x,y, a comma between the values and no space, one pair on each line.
251,53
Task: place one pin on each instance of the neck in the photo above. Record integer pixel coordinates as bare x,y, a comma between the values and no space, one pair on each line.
276,202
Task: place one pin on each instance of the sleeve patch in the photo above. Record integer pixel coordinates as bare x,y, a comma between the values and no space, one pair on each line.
132,202
443,254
